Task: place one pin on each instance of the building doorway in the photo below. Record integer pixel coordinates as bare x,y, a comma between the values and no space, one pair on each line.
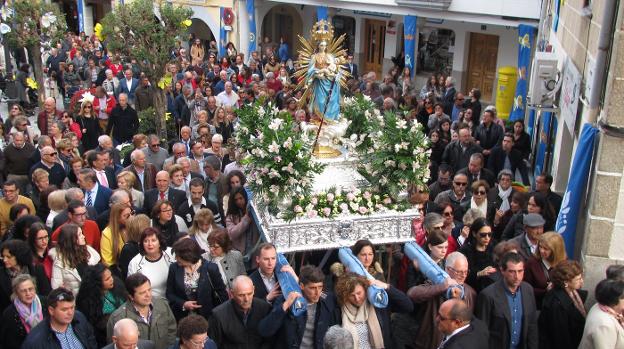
200,30
345,25
282,21
375,40
482,59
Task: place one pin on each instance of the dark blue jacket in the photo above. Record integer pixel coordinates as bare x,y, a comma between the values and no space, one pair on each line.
290,329
42,337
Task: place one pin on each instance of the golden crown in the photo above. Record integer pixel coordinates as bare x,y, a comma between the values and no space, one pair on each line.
322,31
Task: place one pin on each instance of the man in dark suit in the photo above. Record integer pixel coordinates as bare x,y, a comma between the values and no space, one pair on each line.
128,86
70,195
163,192
98,161
49,163
265,282
95,194
126,335
475,170
449,96
509,329
505,157
181,112
351,67
457,153
460,329
144,172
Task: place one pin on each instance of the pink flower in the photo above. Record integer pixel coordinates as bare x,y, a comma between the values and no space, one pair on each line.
330,197
363,210
387,201
314,201
298,209
326,211
312,214
350,196
344,207
367,195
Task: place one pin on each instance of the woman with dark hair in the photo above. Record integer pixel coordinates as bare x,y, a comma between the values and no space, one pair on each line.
431,88
604,325
238,221
194,285
562,317
436,247
474,103
480,200
100,294
21,227
70,258
163,219
444,128
536,203
468,117
522,141
364,250
517,205
153,260
23,314
437,149
22,85
39,243
74,166
134,227
229,261
17,259
478,252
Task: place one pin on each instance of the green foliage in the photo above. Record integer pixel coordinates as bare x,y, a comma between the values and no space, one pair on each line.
134,30
27,27
148,124
278,158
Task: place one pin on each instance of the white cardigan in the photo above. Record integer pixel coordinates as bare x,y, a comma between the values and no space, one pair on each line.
156,272
63,275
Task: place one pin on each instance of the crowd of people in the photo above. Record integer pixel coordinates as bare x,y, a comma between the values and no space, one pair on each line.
157,248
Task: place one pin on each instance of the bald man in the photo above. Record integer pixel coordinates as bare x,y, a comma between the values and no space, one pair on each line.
48,115
163,192
126,336
461,331
49,162
234,324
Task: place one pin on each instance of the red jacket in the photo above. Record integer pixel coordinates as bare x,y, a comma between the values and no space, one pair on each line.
42,120
89,229
75,128
110,104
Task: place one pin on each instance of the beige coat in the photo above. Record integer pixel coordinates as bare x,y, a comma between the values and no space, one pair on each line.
63,275
602,331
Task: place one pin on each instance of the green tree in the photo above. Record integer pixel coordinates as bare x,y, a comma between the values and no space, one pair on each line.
37,26
147,31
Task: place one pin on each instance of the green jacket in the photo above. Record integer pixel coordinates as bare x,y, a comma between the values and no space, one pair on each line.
162,327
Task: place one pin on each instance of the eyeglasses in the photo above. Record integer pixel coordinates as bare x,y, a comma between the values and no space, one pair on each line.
79,214
460,184
214,247
447,213
199,343
484,235
86,107
167,210
458,272
22,125
51,154
439,227
479,192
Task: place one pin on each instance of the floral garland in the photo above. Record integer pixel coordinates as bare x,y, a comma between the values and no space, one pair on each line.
277,157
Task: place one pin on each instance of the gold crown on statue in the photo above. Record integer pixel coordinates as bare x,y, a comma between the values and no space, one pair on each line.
322,31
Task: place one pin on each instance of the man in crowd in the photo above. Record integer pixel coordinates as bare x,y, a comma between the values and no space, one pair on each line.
505,157
126,336
475,170
196,202
528,240
448,98
266,285
543,182
154,153
458,196
11,197
179,151
488,134
95,194
16,155
152,315
460,329
48,115
123,121
228,98
98,161
442,183
144,95
507,307
216,182
144,172
119,196
163,192
72,194
77,214
106,143
128,85
49,163
457,153
181,111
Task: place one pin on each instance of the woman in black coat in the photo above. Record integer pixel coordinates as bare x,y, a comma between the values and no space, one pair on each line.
562,318
18,259
16,324
479,253
194,285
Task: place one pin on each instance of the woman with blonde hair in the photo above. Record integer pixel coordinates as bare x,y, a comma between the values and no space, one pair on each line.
115,234
222,125
88,121
56,203
126,180
550,252
135,225
203,225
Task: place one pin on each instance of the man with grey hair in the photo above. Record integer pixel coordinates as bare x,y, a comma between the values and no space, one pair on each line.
458,195
154,153
49,162
123,121
449,96
126,336
388,104
216,182
179,151
144,172
187,172
95,194
106,143
70,195
163,192
475,170
16,155
111,83
220,85
338,338
228,98
181,111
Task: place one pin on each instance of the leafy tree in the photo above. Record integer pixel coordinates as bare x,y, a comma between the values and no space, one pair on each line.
147,31
37,26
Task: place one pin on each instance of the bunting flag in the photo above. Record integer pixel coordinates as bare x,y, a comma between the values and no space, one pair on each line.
251,15
222,34
409,32
575,191
321,13
526,35
80,11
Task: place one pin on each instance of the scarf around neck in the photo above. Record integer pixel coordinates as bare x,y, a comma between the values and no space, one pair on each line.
365,313
504,195
30,315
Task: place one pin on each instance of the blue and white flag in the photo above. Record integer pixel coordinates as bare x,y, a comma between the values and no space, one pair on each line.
321,13
526,35
575,191
80,11
251,15
222,34
409,32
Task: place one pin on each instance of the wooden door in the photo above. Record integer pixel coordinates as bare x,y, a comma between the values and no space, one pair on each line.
375,40
482,64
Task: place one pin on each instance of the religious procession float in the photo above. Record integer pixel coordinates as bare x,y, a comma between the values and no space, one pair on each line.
340,178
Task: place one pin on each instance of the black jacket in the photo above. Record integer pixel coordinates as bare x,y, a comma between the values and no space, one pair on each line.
474,337
456,158
188,214
42,337
484,174
288,329
561,324
489,137
181,112
175,196
36,271
399,302
229,331
260,290
496,162
124,123
209,277
12,330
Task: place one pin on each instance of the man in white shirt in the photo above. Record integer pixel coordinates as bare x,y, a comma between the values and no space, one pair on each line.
228,98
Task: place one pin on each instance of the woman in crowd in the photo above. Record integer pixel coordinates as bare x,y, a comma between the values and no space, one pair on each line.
69,125
478,251
436,247
536,203
135,225
74,167
23,314
444,128
21,228
518,205
56,203
238,221
39,243
43,209
364,250
41,180
522,141
70,258
164,219
194,285
100,294
562,317
467,117
126,180
139,141
17,259
604,327
462,233
405,82
222,125
203,225
55,131
550,252
447,210
153,260
480,201
229,261
115,235
369,326
474,104
88,121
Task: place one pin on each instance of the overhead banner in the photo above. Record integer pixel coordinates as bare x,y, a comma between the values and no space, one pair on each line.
222,33
321,13
526,35
80,10
409,32
575,191
251,15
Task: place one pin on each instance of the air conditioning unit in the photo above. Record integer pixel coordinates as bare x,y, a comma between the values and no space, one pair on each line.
544,81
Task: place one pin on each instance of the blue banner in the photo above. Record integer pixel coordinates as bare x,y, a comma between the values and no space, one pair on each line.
409,32
575,191
555,24
80,15
222,34
525,42
321,13
251,15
